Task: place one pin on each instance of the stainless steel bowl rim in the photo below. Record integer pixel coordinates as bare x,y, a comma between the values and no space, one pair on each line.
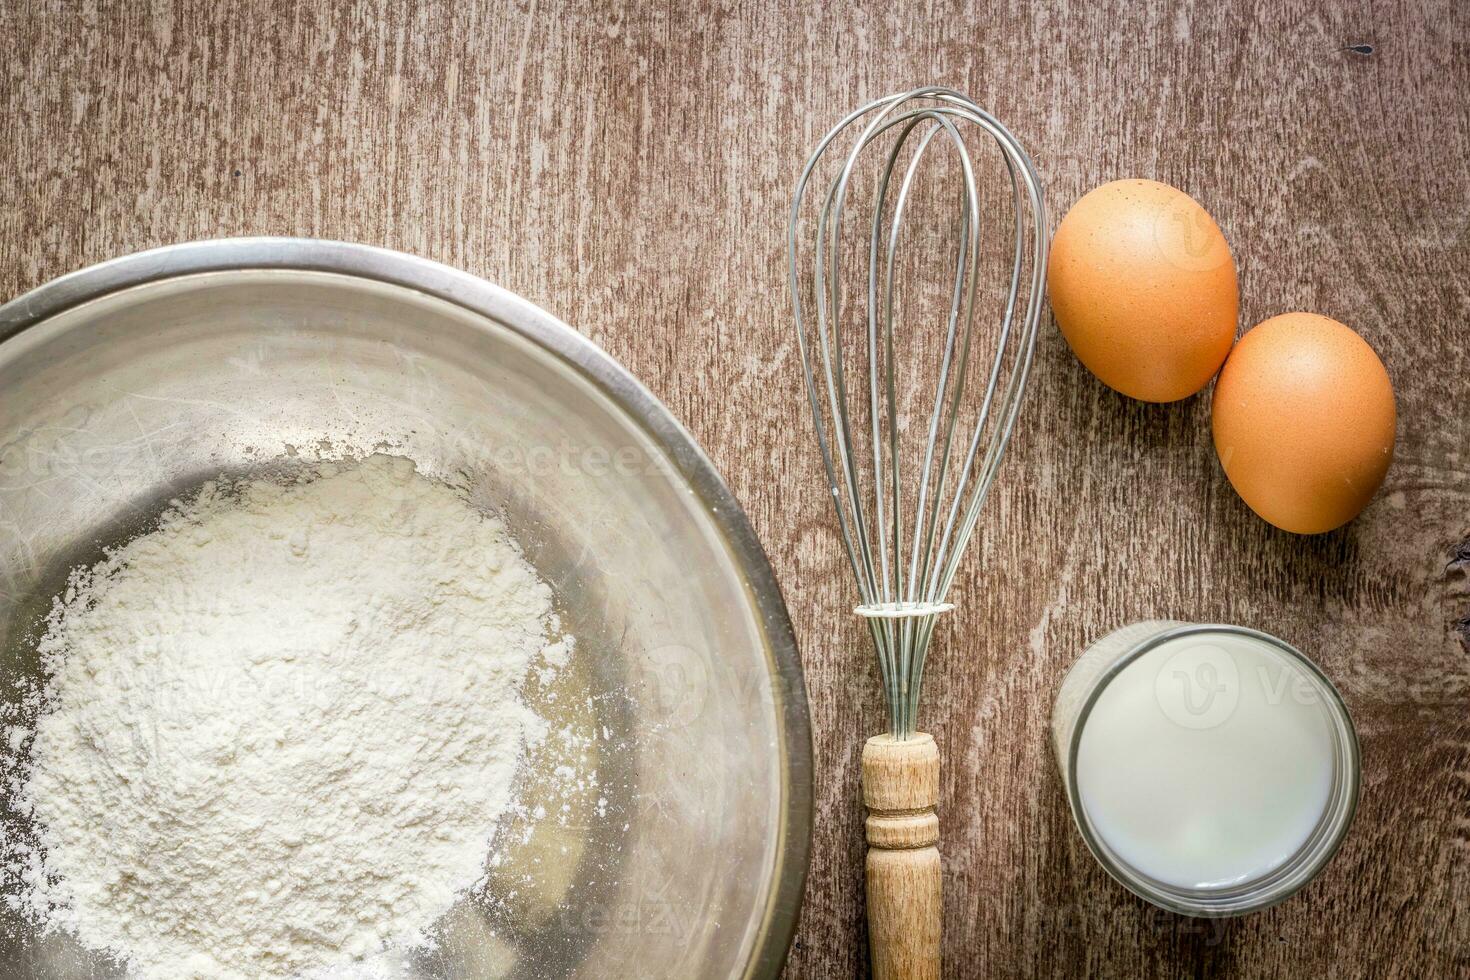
530,321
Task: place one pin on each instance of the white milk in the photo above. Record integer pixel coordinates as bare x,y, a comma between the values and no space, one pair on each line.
1207,762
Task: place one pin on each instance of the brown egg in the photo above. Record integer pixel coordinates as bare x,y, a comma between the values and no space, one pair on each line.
1143,287
1304,422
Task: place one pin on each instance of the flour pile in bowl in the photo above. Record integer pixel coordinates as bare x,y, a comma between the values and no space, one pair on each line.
280,728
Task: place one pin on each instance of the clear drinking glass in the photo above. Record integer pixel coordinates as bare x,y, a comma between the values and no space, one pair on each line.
1110,657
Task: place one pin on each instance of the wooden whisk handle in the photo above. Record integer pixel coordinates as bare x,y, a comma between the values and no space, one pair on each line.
901,790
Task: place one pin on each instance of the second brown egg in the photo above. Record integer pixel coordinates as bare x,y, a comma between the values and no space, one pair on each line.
1304,420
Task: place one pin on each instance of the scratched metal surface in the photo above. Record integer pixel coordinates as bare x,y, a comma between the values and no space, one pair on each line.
628,169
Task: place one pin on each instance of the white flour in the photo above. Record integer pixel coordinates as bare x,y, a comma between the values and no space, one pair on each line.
282,726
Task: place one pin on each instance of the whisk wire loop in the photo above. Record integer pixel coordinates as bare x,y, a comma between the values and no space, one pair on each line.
905,554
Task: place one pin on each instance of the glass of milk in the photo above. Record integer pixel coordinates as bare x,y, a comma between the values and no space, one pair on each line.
1213,770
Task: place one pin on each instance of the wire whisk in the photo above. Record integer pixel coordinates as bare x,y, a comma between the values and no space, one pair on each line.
907,505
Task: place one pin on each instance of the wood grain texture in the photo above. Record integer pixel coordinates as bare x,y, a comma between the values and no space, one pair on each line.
628,168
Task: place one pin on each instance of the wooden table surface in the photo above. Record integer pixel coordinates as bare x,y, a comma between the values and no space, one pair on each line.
628,169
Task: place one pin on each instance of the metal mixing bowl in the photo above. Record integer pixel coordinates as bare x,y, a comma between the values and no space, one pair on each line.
132,381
